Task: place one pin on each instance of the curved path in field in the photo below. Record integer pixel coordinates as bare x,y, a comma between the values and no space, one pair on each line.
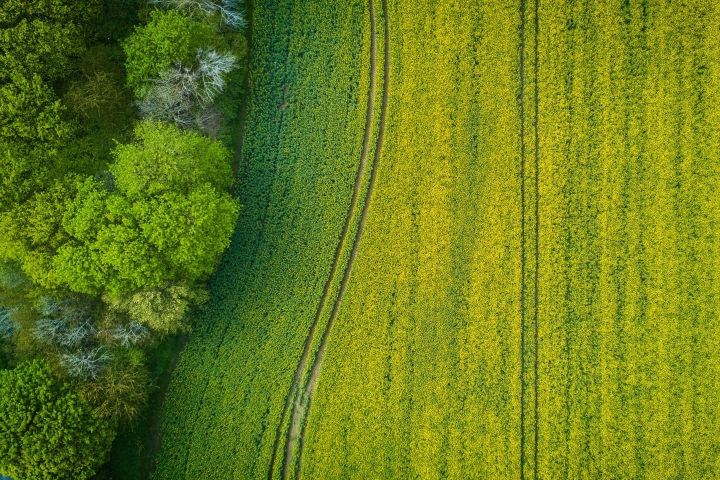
306,401
298,399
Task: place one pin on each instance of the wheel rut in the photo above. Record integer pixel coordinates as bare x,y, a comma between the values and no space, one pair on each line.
315,371
529,7
523,247
298,399
536,278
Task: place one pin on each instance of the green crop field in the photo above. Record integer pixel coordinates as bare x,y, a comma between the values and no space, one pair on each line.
478,240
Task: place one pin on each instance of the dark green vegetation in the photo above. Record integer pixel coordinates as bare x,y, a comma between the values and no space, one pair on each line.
134,447
534,294
115,171
47,430
304,135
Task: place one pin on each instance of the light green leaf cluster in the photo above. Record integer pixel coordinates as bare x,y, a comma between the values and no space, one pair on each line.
33,231
169,37
169,217
163,160
161,309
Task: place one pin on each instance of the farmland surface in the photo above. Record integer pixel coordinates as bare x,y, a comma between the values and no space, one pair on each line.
478,240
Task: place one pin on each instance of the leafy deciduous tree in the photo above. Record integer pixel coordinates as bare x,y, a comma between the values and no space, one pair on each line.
46,430
169,38
39,41
41,37
161,309
168,218
32,232
119,392
164,159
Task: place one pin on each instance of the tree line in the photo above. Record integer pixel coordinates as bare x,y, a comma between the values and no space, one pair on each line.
115,174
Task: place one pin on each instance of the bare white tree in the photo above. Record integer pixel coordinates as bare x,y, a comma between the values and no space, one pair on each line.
7,323
69,307
130,334
85,364
230,11
213,68
172,97
62,332
184,95
64,322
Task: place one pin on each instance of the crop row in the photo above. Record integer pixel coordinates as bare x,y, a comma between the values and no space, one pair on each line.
423,372
628,355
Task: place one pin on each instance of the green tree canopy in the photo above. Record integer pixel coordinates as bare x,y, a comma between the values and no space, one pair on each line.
167,219
168,38
42,36
164,159
46,430
39,41
31,131
161,309
33,231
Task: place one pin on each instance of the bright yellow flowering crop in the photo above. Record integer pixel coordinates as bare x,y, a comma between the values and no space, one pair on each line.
529,280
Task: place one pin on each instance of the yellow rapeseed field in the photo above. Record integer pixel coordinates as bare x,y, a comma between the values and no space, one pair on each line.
479,240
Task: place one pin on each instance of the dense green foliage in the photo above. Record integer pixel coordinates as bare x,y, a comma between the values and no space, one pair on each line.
165,159
161,309
33,232
107,232
169,38
43,37
38,44
166,219
308,80
46,430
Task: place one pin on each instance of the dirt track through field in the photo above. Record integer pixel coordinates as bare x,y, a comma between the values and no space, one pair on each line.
536,246
536,325
522,239
297,393
317,365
